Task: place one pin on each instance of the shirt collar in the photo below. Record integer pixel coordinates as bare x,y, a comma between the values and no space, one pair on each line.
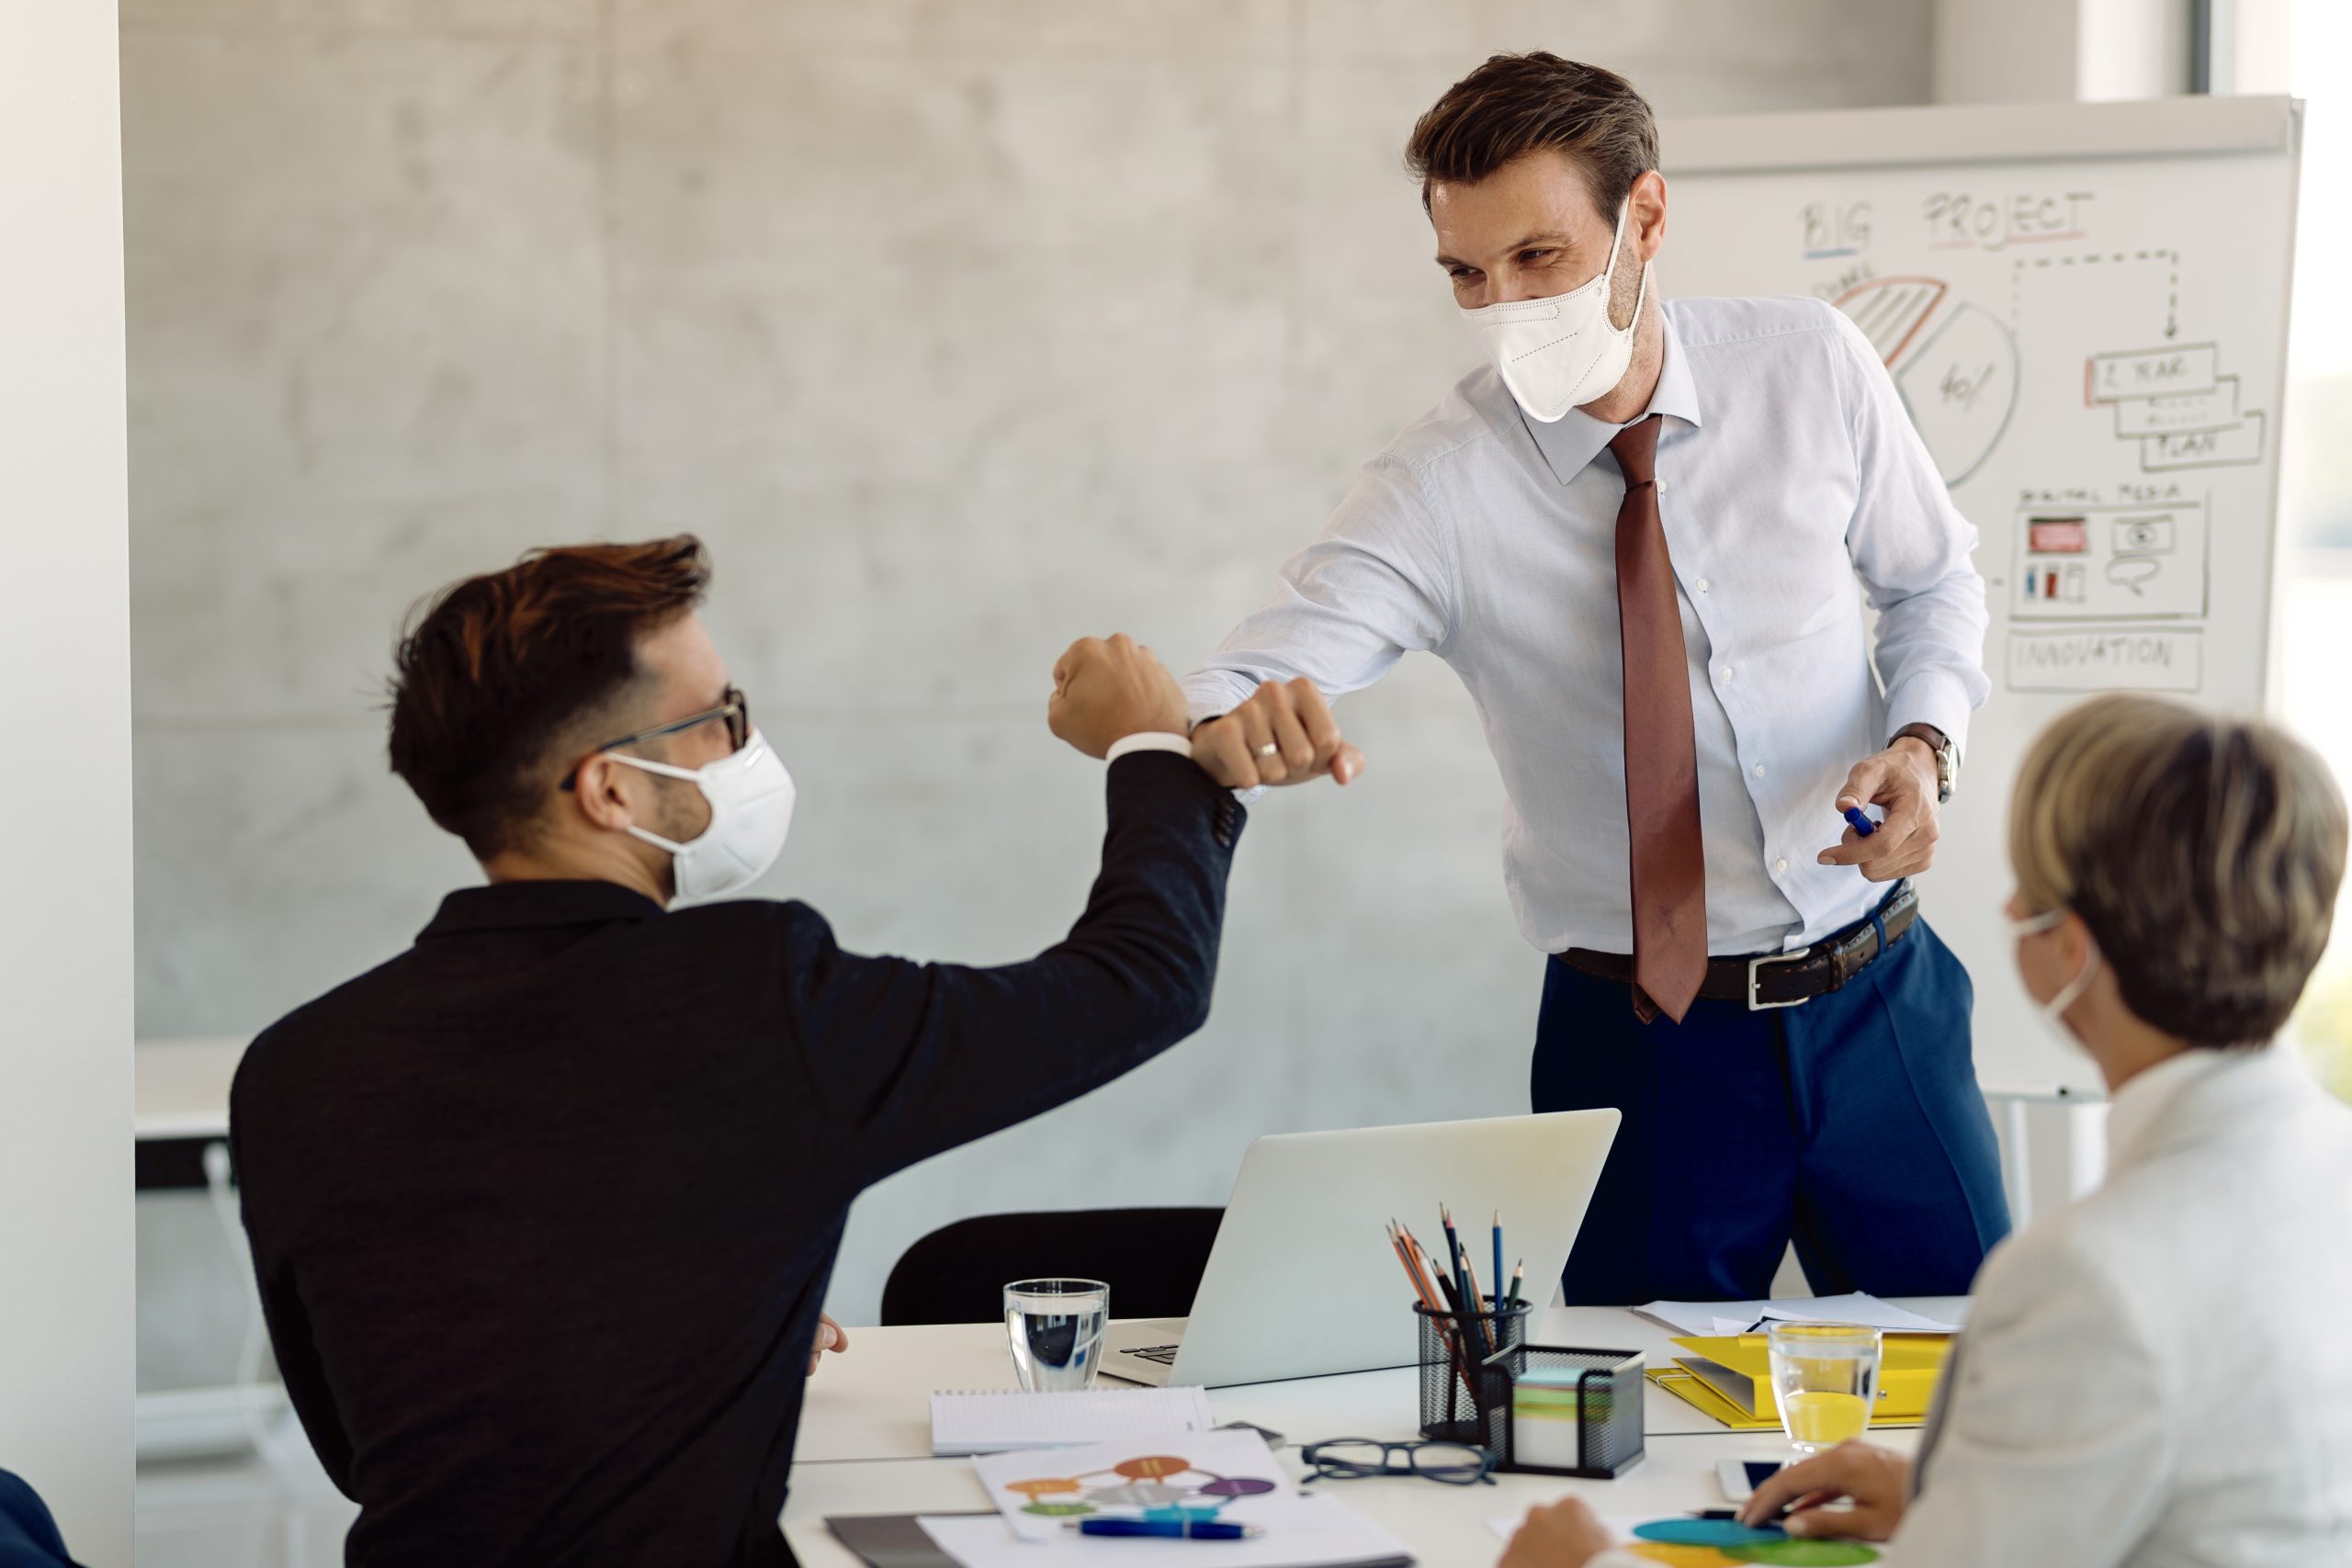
2163,1094
1570,443
517,905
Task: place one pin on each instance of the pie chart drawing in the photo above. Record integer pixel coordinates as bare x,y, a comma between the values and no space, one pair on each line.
1955,365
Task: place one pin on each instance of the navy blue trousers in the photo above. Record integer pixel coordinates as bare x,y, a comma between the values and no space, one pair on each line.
1851,1124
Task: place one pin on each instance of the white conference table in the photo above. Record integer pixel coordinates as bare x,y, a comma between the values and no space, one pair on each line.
864,1440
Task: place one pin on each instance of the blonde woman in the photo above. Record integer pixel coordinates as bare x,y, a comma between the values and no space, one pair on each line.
2160,1374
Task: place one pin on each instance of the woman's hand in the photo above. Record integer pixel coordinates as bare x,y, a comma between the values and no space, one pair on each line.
1564,1535
1879,1484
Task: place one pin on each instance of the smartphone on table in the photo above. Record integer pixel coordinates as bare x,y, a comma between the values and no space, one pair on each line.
1739,1478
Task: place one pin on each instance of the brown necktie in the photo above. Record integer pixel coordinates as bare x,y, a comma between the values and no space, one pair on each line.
1669,871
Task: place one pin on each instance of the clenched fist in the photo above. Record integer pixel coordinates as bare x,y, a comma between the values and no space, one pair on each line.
1284,734
1105,690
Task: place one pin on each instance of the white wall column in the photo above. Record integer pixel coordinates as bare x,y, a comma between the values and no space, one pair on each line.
65,1160
2052,50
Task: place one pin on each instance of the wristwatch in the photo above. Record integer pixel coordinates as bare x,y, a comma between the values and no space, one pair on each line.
1947,756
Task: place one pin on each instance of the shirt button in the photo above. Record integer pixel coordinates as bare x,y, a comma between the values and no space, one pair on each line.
1780,865
1760,770
1726,671
1702,585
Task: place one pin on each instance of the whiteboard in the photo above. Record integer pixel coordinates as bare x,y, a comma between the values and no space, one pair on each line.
2083,307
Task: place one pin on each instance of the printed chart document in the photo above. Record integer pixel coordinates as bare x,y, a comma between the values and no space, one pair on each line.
1231,1477
1006,1420
1302,1532
1722,1318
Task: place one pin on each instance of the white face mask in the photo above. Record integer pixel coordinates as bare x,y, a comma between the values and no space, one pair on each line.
750,797
1557,353
2053,1011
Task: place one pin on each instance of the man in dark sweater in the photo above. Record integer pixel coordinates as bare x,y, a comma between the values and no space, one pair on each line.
544,1208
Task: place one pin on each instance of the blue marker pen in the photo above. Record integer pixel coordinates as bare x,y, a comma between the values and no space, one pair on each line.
1863,824
1177,1530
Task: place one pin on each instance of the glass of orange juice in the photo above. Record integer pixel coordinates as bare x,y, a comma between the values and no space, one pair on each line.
1824,1379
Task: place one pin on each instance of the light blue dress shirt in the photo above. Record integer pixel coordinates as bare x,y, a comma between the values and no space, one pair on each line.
1790,484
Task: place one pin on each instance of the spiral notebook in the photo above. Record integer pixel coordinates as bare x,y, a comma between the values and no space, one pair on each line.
1005,1420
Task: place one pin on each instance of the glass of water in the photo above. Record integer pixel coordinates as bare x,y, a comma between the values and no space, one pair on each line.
1824,1378
1056,1326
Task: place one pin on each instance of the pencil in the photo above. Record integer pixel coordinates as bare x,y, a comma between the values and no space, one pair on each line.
1402,1262
1499,1251
1428,1278
1412,1269
1517,1277
1450,1322
1477,1309
1466,1302
1400,1238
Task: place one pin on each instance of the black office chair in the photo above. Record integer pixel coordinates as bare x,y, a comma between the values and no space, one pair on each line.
1151,1259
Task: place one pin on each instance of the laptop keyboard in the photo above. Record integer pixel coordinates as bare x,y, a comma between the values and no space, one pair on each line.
1164,1354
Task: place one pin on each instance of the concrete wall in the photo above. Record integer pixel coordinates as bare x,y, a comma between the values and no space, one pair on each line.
2051,50
65,929
958,330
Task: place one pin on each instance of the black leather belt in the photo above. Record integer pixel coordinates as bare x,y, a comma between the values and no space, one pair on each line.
1781,979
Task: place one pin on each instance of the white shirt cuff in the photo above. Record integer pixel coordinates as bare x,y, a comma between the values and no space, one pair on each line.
1147,740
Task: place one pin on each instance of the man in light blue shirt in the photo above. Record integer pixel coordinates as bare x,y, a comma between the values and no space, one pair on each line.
1643,536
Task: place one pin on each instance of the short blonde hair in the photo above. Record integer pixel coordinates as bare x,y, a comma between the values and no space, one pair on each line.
2204,853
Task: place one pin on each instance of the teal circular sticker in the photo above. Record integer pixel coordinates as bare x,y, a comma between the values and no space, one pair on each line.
1794,1554
1722,1533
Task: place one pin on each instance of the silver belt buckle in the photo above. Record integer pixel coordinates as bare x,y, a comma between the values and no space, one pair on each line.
1754,1005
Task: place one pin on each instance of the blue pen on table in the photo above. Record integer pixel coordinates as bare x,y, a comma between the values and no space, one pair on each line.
1863,824
1184,1529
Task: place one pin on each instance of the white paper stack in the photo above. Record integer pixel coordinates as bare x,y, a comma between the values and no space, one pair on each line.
1702,1318
1006,1421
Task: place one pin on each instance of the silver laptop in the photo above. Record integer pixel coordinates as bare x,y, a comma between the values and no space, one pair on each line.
1302,1280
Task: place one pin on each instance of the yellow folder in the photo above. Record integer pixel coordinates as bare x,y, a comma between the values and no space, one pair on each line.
1675,1381
1733,1376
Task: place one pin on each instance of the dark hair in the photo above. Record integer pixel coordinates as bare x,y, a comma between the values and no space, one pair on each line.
1518,104
493,672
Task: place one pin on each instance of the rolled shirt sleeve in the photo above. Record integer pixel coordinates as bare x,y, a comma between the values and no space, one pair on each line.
1376,584
1912,549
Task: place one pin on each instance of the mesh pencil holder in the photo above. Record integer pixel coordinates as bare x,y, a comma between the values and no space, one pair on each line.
1453,1369
1559,1410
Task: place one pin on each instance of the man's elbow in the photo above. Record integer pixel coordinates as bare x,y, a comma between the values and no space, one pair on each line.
1183,1006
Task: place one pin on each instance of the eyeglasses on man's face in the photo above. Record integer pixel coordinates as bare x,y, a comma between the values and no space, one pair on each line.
732,708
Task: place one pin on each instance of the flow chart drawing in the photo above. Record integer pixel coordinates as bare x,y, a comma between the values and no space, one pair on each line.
2175,401
1955,365
2111,562
1160,1485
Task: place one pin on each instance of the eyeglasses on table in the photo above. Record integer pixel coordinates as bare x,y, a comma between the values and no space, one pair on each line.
1354,1458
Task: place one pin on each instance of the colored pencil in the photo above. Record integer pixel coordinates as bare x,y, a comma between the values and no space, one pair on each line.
1499,1251
1517,1277
1478,1303
1469,1303
1443,1280
1412,1269
1400,1238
